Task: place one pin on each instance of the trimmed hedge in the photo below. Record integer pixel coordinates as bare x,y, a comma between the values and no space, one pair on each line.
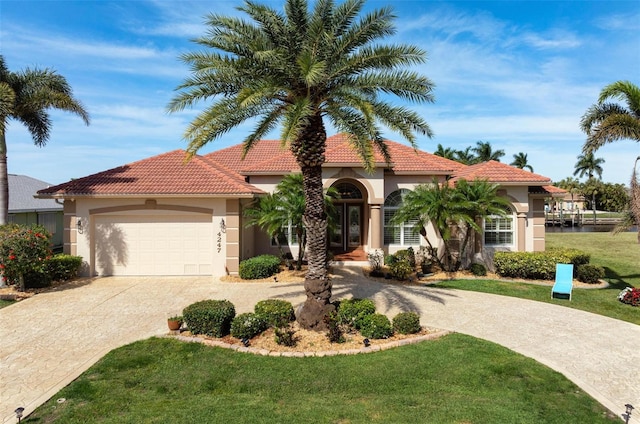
209,317
262,266
537,265
376,326
590,274
63,267
275,312
406,323
247,325
353,311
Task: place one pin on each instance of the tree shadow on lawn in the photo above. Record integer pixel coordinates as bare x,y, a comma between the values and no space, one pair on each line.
617,281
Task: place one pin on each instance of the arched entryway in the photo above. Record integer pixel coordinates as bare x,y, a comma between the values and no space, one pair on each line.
349,236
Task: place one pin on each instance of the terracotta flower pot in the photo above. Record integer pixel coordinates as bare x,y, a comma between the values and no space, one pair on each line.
174,325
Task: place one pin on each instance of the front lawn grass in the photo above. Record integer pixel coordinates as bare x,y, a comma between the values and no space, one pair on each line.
4,303
619,255
455,379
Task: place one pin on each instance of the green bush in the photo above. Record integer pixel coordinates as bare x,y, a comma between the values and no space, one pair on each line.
63,267
210,317
262,266
537,265
275,312
390,259
352,311
376,326
406,323
286,336
247,325
590,274
23,253
407,255
335,333
478,270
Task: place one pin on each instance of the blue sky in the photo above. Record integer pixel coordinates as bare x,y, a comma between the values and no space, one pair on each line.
516,74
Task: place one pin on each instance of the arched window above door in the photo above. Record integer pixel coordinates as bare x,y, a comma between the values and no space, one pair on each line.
348,191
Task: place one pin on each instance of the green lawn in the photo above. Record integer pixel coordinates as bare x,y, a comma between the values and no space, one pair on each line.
4,303
619,255
455,379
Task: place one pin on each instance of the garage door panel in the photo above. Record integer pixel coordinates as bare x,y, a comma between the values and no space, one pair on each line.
154,245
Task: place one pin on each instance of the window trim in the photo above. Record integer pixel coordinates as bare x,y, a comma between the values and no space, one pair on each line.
510,216
405,228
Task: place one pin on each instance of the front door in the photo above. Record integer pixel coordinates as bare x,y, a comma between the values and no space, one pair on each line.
347,234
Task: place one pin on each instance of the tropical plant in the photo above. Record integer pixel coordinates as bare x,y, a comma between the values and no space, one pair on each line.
465,156
589,165
521,161
442,206
445,152
571,185
295,69
23,250
606,122
26,96
632,214
484,152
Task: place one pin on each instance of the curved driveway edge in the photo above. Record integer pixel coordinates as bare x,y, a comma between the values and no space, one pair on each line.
49,340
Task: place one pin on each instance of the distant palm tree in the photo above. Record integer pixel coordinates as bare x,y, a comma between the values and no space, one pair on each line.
445,152
520,161
26,97
588,165
484,152
608,122
572,185
465,156
297,69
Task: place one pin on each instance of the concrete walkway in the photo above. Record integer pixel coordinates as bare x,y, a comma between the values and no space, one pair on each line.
50,339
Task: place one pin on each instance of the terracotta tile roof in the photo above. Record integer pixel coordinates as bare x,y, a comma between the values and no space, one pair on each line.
497,172
165,174
548,190
269,157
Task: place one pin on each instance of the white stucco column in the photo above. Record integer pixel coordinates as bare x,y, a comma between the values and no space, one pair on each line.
376,226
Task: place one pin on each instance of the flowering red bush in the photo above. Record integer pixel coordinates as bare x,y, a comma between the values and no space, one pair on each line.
23,250
630,296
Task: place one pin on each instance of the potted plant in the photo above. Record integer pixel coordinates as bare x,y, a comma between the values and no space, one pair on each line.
174,322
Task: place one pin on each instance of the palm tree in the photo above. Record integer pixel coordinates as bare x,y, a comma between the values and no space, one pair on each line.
484,152
481,200
465,156
443,207
608,122
26,97
520,161
295,69
589,165
445,152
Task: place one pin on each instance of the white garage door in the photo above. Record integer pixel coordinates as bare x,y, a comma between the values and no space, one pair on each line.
153,245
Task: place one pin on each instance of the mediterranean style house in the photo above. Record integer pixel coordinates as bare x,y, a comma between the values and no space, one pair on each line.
162,216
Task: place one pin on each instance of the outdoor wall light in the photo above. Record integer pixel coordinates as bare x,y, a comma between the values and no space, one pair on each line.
79,225
19,411
223,225
366,342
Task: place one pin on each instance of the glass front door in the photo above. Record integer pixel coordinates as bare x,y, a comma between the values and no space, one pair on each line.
347,234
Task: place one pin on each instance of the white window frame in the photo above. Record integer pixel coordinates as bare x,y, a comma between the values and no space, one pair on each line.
500,230
407,235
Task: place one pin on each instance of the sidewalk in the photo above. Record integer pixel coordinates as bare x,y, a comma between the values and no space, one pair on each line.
50,339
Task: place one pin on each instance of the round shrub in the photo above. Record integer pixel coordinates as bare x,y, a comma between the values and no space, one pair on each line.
401,269
376,326
247,325
406,323
275,312
209,317
590,274
262,266
479,270
352,311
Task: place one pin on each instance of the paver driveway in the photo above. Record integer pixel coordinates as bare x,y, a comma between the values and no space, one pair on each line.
50,339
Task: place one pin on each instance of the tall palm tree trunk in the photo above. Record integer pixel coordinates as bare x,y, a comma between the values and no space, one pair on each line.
4,181
309,151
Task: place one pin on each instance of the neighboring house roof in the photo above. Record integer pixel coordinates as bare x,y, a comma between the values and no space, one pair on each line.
165,174
21,192
498,172
271,158
547,190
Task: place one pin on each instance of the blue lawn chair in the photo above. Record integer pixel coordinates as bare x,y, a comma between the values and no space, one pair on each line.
564,281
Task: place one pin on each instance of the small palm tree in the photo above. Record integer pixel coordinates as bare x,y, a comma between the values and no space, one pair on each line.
521,161
26,96
465,156
445,152
608,122
484,152
296,69
588,165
